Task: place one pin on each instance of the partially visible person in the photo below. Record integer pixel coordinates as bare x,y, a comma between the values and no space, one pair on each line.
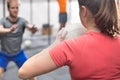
11,32
94,55
62,13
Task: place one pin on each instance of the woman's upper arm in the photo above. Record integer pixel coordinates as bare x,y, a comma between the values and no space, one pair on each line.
38,64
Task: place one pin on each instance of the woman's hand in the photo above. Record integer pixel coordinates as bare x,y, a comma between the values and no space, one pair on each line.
61,35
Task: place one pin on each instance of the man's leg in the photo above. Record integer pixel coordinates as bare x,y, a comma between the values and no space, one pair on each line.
62,25
3,63
19,59
62,20
1,72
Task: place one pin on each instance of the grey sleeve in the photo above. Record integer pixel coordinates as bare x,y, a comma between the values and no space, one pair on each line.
25,22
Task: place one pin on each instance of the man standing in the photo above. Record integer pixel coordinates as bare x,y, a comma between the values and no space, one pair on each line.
11,32
62,13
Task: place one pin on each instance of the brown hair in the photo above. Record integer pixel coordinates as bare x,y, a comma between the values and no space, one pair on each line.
105,14
8,4
9,1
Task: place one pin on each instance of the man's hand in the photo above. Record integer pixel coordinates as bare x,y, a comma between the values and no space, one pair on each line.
34,29
13,27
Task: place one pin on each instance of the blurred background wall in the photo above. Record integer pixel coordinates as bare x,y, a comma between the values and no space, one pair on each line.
36,11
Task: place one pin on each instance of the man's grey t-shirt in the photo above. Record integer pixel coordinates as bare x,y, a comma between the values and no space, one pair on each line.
11,42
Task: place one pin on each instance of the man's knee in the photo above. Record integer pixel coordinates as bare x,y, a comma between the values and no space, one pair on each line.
1,72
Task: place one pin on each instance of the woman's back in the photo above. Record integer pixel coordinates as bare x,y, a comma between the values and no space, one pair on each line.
94,56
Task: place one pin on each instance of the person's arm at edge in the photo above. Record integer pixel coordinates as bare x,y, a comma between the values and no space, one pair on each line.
7,30
42,62
32,28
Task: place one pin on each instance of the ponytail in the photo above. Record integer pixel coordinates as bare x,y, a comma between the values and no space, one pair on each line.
105,14
106,19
